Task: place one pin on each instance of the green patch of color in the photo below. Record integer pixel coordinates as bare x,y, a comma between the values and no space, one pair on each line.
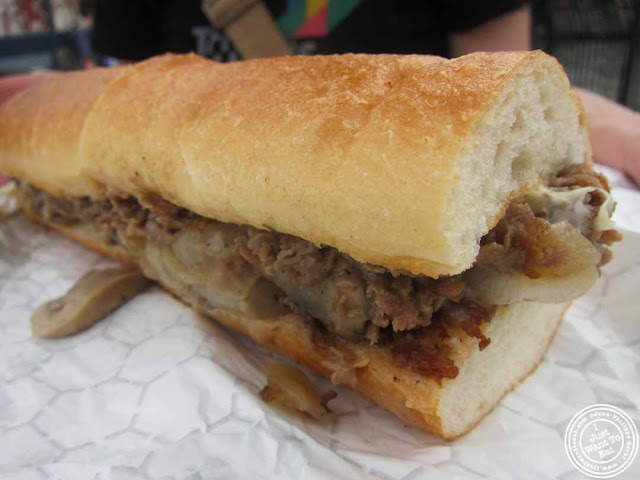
292,18
338,10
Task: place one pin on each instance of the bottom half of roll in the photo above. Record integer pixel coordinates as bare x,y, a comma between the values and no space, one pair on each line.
444,378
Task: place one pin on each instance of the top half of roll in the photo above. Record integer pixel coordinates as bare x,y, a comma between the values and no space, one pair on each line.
399,161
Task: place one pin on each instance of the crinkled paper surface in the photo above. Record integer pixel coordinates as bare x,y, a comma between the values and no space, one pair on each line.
155,391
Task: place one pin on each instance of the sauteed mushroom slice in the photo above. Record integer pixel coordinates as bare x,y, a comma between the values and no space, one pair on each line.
95,295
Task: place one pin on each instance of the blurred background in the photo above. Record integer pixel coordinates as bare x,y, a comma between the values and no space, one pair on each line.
53,34
597,41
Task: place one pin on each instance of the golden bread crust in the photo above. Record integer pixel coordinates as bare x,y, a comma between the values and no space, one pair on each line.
40,130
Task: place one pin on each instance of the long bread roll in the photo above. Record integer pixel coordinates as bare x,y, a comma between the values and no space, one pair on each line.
399,162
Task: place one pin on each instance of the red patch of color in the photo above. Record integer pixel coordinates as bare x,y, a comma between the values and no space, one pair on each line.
316,26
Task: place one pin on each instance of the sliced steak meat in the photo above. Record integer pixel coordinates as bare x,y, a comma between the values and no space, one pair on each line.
351,299
528,242
346,295
576,176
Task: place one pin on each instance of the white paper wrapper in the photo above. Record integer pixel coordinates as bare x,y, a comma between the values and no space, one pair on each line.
155,391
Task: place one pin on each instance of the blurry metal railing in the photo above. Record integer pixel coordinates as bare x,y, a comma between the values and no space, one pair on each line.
597,41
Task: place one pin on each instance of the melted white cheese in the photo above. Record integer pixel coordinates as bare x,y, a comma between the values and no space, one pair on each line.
569,206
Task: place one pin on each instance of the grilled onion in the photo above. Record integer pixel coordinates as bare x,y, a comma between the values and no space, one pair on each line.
288,386
504,288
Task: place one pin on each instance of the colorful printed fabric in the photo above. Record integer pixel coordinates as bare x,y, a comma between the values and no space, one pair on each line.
313,18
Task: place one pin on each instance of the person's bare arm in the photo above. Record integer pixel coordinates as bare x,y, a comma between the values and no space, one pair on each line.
615,133
12,84
511,31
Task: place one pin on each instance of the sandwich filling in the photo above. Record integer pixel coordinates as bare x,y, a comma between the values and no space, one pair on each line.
547,247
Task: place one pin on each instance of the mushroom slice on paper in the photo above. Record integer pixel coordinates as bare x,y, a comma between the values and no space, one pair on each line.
89,300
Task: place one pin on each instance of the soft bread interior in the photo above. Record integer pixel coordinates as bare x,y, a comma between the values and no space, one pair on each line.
520,335
531,130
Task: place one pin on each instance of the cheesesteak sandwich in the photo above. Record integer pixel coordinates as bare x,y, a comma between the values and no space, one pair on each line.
410,226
